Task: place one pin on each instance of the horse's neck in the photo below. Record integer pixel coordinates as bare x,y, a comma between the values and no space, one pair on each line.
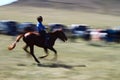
52,37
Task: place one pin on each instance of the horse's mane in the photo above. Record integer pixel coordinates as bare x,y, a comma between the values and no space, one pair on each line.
55,31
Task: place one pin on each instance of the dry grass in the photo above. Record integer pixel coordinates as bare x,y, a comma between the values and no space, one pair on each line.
96,6
76,61
29,14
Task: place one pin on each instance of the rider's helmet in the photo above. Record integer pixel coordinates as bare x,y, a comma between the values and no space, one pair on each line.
40,19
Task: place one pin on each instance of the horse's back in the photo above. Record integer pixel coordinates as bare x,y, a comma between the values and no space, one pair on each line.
31,37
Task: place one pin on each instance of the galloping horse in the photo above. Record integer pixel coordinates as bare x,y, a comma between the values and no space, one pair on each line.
33,38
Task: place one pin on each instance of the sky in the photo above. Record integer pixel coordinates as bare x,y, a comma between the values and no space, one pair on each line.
5,2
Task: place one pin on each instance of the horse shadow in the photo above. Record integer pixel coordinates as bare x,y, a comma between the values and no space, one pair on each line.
55,65
60,65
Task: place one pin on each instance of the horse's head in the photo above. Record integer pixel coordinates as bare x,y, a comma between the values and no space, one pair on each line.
61,35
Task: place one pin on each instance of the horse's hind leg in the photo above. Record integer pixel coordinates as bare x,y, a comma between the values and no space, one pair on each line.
55,56
46,51
32,53
26,50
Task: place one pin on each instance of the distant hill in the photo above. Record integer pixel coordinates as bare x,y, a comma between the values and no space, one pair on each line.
99,6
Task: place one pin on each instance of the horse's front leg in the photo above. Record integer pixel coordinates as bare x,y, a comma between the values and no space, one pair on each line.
46,51
55,55
32,53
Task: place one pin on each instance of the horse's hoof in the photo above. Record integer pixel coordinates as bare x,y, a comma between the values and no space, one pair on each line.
41,57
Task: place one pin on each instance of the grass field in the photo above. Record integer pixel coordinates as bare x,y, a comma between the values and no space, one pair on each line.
76,61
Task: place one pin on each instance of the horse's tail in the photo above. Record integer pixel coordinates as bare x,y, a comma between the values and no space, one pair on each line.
12,46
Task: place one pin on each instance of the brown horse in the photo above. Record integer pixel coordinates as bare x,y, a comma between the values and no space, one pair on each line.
33,38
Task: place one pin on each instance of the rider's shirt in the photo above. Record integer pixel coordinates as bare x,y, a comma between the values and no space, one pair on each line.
40,27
